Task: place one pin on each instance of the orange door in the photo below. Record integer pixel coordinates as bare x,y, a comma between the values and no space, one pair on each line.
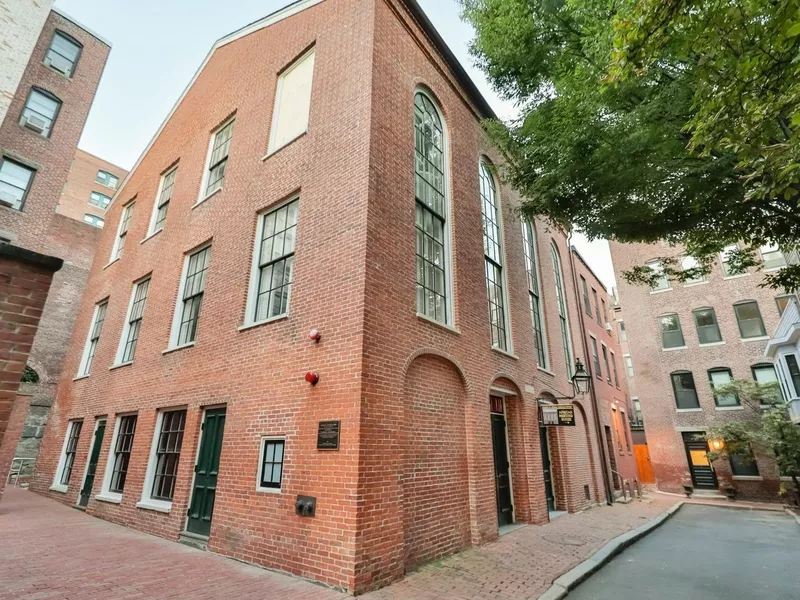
643,464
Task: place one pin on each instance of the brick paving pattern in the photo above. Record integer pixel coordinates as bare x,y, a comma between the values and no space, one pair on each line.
53,552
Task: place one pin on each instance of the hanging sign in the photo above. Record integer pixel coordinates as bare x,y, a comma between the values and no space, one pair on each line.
558,415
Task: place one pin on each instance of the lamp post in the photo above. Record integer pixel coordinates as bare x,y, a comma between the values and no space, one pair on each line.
580,383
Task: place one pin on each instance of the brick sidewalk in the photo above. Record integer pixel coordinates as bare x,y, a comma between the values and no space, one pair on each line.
49,551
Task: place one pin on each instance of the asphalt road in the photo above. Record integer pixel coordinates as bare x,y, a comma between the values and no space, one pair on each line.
706,553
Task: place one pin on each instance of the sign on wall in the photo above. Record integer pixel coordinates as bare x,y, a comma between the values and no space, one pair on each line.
328,435
558,415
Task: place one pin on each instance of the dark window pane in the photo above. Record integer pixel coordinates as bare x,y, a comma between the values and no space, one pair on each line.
168,452
707,327
122,453
15,180
70,450
671,333
749,318
684,389
272,465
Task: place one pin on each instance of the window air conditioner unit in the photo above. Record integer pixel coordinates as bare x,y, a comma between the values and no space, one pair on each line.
609,327
8,199
35,123
59,63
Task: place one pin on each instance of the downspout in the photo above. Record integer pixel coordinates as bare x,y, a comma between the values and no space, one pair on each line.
598,426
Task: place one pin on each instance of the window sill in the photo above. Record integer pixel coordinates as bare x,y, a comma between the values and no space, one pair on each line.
774,269
688,410
748,478
504,353
211,195
729,407
111,262
660,291
109,497
761,338
696,283
736,276
79,377
60,488
120,365
155,505
261,490
274,151
712,344
675,348
265,322
57,72
150,236
444,326
176,348
543,370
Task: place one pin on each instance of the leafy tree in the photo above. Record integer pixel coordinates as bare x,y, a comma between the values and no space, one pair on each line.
766,427
648,120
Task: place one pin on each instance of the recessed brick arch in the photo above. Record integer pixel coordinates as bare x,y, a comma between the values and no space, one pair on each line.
587,435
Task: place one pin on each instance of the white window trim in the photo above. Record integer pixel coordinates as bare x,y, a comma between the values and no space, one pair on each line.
87,344
57,486
115,247
177,313
151,230
450,321
202,196
127,324
262,449
252,286
784,375
106,495
272,148
146,502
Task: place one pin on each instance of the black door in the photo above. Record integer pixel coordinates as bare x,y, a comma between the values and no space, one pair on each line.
502,477
205,473
612,459
548,477
94,457
703,475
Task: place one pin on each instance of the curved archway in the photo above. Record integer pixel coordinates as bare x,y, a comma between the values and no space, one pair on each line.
587,436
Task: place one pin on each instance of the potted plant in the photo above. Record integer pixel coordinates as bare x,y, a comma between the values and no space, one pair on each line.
688,486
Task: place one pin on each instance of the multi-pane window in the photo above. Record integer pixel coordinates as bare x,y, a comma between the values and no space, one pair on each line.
218,159
431,210
94,336
772,256
628,365
274,263
605,362
193,287
493,257
685,390
662,281
587,305
671,333
162,202
134,324
705,319
122,453
749,318
40,112
784,301
794,373
292,102
596,358
168,454
99,200
765,374
561,302
597,307
719,378
689,263
724,259
272,464
94,220
122,233
107,179
63,53
15,181
70,449
534,292
744,465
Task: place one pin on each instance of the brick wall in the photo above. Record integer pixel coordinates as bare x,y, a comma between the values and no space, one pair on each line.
81,182
653,365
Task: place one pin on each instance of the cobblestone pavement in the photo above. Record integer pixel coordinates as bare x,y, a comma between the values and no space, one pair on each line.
50,551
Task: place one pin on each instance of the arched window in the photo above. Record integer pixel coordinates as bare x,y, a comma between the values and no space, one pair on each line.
430,169
719,377
493,257
685,390
671,332
705,319
749,318
534,293
561,302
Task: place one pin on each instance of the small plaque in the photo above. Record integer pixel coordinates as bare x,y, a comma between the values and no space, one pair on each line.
328,435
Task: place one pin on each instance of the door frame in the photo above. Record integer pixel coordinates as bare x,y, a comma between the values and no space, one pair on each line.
501,393
689,465
545,431
97,421
205,410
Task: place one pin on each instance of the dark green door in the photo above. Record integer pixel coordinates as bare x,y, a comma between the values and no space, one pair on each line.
94,457
703,475
502,477
206,472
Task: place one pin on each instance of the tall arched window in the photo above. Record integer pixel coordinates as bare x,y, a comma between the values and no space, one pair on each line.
493,258
534,293
430,171
561,301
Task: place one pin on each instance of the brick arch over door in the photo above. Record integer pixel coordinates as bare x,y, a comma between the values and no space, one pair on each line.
580,415
435,476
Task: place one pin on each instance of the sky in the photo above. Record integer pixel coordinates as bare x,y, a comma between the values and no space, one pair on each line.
157,45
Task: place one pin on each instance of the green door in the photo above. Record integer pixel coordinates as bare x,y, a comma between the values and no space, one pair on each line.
91,469
206,472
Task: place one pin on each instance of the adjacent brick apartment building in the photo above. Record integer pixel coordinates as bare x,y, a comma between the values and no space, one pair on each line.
38,141
286,351
91,184
685,338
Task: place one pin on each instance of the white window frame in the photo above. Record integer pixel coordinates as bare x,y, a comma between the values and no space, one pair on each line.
202,196
128,206
262,449
772,248
252,287
146,502
272,146
106,495
87,345
127,324
784,374
151,228
629,370
57,486
178,312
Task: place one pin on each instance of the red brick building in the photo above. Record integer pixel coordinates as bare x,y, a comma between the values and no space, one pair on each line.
684,339
91,184
287,352
38,140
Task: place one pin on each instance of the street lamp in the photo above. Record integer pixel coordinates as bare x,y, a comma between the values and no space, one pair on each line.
581,379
